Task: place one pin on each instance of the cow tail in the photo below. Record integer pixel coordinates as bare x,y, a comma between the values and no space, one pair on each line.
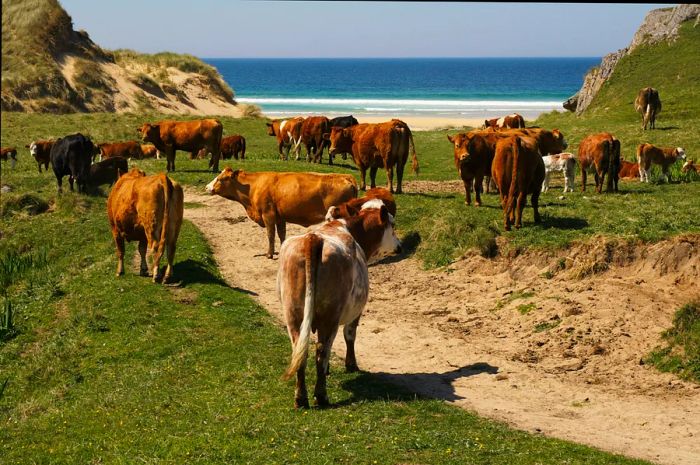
611,155
512,192
414,159
312,252
167,194
242,148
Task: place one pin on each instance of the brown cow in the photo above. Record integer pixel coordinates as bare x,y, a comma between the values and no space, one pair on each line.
11,153
628,170
374,145
272,199
41,151
690,167
648,104
600,153
663,156
232,146
518,170
147,209
126,150
473,155
323,282
150,151
190,136
312,130
512,121
372,198
288,135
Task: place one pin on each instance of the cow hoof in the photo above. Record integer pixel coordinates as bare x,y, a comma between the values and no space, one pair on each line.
322,401
144,273
478,204
353,368
269,255
301,403
507,228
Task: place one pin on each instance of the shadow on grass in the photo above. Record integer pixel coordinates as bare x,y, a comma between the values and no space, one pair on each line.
667,128
564,222
437,195
369,386
192,272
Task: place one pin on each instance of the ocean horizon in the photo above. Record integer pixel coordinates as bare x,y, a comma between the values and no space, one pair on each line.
431,87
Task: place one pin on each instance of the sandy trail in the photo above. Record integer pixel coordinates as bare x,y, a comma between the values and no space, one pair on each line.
557,356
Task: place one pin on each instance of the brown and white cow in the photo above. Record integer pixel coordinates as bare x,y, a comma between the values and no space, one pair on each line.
648,104
147,209
561,162
628,170
600,153
312,130
376,145
690,167
663,156
372,198
518,170
190,136
323,282
150,151
512,121
288,135
9,153
41,151
126,150
272,199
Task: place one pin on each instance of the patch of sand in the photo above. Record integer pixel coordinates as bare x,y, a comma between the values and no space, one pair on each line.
557,356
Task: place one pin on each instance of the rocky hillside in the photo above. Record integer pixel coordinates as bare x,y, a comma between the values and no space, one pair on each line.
47,66
658,26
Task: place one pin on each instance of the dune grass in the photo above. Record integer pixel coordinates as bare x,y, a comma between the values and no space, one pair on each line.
680,353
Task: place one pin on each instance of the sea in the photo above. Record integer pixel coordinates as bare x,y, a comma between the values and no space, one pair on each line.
435,87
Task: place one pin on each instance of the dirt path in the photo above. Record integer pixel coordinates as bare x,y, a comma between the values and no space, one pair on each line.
558,356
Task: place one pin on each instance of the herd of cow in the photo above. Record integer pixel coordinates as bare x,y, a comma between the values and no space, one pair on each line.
322,278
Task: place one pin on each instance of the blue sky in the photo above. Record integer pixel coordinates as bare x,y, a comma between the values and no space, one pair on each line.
236,29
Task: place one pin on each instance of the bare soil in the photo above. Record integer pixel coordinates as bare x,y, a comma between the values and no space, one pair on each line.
548,343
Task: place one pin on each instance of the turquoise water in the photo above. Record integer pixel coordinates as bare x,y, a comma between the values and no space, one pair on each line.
451,87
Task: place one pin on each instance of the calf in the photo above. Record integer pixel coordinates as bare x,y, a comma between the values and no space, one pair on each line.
11,153
41,151
150,151
72,156
563,162
288,135
518,170
126,150
473,155
232,146
372,198
107,171
628,170
648,154
272,199
323,282
690,167
147,209
600,153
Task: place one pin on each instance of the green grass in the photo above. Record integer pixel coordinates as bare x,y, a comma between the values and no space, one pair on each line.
681,352
102,369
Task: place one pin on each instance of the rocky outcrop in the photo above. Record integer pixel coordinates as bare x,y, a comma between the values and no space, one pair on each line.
658,25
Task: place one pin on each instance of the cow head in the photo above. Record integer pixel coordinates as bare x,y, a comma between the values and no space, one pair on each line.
461,143
340,139
149,132
680,153
226,184
373,230
688,166
270,129
133,173
32,149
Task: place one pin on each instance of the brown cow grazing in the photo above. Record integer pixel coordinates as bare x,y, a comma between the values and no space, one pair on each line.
11,153
473,155
648,104
690,167
518,170
312,130
233,146
272,199
127,150
189,136
107,171
41,151
600,153
150,151
664,156
147,209
323,282
512,121
374,198
628,170
375,145
288,135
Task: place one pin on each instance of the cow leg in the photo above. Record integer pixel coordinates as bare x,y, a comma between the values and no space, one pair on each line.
282,230
119,242
399,178
545,183
301,398
363,175
522,200
143,249
170,249
59,181
323,355
477,190
468,191
536,206
507,209
583,180
156,254
373,176
389,179
350,332
270,224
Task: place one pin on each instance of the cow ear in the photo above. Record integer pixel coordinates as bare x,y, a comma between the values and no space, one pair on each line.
384,214
331,214
236,173
450,138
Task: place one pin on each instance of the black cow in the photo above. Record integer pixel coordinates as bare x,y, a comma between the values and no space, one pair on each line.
343,122
72,156
107,171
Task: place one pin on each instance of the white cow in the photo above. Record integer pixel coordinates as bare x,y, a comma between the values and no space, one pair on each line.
564,162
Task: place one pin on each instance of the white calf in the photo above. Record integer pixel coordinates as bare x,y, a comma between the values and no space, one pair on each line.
564,162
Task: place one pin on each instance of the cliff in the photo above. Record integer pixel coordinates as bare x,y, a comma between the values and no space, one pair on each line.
658,25
47,66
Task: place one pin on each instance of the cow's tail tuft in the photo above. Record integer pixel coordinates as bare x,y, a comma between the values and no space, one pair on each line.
312,253
167,194
514,175
412,147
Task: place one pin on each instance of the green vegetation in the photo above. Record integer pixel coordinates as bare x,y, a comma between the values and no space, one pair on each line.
681,354
524,309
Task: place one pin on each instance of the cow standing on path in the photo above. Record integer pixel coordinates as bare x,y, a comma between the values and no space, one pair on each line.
272,199
147,209
190,136
71,156
323,282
